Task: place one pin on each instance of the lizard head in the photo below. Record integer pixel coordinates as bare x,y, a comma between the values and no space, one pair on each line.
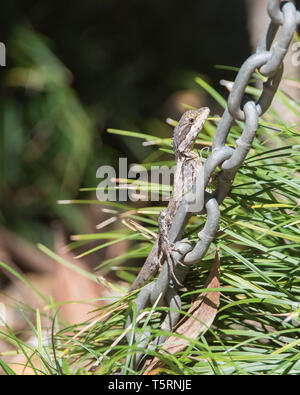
188,128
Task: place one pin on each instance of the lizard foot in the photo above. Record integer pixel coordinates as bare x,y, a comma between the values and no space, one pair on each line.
166,248
190,155
171,260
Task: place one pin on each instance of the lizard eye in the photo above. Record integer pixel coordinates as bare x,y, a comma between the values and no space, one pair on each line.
191,120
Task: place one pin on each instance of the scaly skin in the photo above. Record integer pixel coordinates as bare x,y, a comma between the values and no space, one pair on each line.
186,169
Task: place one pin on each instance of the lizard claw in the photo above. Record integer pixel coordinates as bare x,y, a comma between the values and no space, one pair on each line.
191,155
168,252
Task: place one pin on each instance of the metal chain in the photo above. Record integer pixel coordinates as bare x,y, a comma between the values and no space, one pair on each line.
268,59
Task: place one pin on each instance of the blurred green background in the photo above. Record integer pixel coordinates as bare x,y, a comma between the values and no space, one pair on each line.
76,68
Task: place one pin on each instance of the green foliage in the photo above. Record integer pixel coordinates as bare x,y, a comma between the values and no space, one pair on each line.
46,139
256,330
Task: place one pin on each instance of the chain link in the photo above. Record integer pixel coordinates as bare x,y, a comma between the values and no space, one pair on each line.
268,59
274,10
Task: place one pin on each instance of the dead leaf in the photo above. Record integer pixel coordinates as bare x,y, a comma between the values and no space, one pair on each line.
198,319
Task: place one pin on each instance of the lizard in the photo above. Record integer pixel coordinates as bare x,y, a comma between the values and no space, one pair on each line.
187,165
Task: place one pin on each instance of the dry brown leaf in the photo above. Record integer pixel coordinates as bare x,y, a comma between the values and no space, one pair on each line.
199,318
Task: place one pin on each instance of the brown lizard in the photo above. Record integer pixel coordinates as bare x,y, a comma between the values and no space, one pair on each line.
187,165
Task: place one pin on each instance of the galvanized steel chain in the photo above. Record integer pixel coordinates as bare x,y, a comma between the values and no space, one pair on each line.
268,60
